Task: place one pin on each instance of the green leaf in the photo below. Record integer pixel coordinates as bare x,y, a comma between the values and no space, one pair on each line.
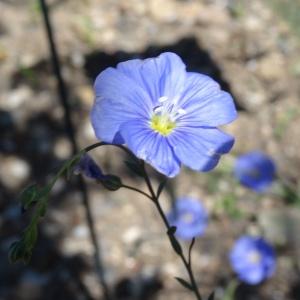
175,244
184,283
43,209
211,296
135,167
111,182
22,249
30,236
19,252
230,290
13,252
29,196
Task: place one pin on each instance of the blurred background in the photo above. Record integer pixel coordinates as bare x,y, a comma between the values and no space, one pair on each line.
250,47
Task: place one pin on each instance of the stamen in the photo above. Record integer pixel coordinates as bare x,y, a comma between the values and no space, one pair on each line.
166,115
181,111
162,99
157,109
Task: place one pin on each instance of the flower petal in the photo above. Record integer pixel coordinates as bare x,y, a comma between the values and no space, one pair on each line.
88,167
255,170
200,148
205,103
150,146
198,218
118,99
252,274
160,76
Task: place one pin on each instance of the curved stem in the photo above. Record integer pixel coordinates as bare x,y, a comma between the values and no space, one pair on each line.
186,263
93,146
136,190
100,144
155,200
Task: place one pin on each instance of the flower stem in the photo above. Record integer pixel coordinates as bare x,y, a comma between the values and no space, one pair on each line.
136,190
155,199
186,263
100,144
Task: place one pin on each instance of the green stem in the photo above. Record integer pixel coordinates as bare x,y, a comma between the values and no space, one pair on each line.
155,200
186,263
100,144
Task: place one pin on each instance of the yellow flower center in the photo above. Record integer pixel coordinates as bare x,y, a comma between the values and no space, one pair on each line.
162,124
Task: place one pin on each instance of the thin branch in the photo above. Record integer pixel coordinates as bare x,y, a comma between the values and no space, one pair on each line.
190,251
166,222
136,190
62,91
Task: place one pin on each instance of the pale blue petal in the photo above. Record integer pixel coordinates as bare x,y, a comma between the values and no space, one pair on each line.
107,116
252,274
200,148
118,99
160,76
150,146
205,103
187,229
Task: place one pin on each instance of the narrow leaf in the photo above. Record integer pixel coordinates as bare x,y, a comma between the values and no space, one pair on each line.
190,250
13,252
184,283
28,196
30,237
230,290
160,188
43,209
175,244
172,230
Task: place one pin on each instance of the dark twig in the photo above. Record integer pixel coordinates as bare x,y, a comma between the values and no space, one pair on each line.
186,262
136,190
62,91
190,251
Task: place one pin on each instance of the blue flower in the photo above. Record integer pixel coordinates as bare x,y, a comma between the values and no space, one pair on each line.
165,115
255,170
190,218
87,167
253,259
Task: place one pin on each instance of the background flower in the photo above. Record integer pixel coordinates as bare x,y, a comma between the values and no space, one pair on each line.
255,170
165,115
253,259
189,216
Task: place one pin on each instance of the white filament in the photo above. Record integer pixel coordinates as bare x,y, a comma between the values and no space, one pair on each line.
169,108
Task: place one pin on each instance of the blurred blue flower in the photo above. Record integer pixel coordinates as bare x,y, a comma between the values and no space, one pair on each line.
253,259
189,216
87,167
255,170
165,115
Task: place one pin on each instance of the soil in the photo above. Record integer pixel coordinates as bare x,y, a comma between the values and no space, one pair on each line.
244,45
